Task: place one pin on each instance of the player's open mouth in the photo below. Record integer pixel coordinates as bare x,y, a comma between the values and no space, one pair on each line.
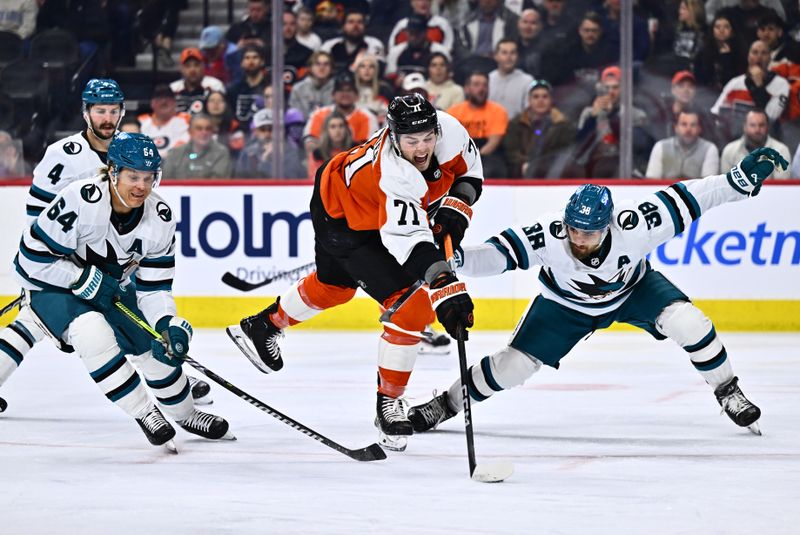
420,160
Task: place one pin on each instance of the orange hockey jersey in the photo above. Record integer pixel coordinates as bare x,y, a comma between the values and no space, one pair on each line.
374,188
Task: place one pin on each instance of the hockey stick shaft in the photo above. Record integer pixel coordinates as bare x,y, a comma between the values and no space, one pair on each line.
462,364
242,285
372,452
9,307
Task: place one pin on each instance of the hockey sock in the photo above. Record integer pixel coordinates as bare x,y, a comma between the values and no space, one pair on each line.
395,363
15,342
169,385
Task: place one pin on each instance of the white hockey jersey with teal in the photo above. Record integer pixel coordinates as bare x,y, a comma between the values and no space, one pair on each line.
602,282
64,162
79,228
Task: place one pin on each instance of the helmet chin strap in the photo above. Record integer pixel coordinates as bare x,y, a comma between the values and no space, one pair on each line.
113,179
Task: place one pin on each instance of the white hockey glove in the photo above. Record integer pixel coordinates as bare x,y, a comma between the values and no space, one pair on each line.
747,176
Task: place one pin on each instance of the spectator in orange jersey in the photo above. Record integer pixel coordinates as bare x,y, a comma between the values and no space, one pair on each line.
486,121
362,121
381,213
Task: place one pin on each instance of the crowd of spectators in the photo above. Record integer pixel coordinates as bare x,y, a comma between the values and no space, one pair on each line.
537,83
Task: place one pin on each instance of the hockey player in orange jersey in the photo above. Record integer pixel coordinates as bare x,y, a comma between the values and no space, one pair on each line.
380,214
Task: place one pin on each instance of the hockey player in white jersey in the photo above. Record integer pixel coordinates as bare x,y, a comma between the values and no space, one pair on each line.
593,272
73,158
75,260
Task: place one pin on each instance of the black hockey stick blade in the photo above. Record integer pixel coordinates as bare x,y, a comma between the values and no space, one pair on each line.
373,452
243,286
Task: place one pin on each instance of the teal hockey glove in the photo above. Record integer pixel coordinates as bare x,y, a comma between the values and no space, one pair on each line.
747,176
177,333
98,288
161,354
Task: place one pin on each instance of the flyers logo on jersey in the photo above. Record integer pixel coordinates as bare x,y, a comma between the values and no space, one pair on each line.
72,148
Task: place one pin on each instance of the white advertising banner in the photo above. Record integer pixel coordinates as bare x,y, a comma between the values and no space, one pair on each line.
744,250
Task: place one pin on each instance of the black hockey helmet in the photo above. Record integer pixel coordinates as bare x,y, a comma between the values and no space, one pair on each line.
409,114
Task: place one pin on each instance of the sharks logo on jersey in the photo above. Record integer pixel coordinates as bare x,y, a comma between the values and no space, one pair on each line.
598,287
164,212
72,148
627,220
91,193
109,260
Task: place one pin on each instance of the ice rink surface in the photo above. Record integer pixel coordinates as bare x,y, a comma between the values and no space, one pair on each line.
624,438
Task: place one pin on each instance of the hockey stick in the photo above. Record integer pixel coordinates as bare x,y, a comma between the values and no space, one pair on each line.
243,286
373,452
488,472
9,307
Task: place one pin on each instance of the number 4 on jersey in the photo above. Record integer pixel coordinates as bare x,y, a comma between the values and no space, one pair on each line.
55,173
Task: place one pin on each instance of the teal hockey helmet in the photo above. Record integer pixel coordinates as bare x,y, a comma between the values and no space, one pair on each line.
134,151
589,208
102,91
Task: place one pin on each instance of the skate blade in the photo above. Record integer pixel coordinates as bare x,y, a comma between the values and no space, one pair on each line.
170,446
228,436
246,347
492,472
754,428
392,443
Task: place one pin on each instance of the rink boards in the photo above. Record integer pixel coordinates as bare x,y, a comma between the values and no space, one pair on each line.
740,262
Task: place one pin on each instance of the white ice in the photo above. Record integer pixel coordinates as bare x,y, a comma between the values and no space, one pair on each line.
624,438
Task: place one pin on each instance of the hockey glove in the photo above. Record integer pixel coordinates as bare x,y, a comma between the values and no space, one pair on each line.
177,333
453,306
452,217
98,288
161,354
747,176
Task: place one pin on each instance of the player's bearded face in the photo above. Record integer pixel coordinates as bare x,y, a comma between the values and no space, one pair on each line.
583,243
418,148
104,119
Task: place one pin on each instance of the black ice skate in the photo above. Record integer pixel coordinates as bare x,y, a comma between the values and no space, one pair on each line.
392,423
207,426
737,407
3,405
201,391
157,429
436,343
429,415
257,337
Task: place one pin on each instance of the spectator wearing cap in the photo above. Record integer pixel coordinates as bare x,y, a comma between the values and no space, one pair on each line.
439,29
683,93
374,94
539,138
255,160
507,84
485,27
686,154
362,122
414,53
755,135
305,29
214,48
486,122
164,125
243,94
599,132
353,41
202,156
315,90
255,28
414,83
193,86
757,88
443,92
530,44
582,57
